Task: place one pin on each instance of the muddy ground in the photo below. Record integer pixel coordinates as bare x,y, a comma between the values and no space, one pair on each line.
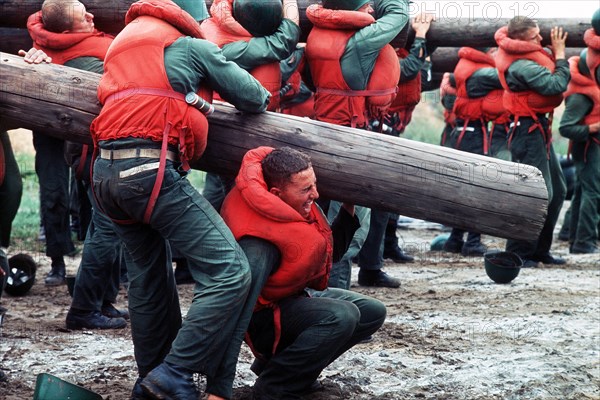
451,333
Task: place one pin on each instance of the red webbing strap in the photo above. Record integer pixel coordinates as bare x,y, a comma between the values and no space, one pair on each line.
146,91
356,93
2,164
462,134
82,161
486,143
159,175
277,327
277,332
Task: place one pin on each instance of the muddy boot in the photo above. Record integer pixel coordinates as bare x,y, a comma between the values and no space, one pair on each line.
455,242
473,245
169,381
56,276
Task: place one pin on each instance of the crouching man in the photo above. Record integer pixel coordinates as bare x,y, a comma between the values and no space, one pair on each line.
298,326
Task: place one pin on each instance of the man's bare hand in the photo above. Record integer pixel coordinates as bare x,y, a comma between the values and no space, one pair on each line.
594,128
558,39
421,24
35,56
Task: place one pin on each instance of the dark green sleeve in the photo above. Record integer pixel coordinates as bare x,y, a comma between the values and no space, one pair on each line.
413,63
482,82
91,64
193,62
362,49
526,74
261,50
577,106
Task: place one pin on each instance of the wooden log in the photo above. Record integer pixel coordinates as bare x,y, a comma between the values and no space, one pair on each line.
109,16
415,179
444,59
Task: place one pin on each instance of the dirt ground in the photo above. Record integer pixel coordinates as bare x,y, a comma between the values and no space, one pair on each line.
451,333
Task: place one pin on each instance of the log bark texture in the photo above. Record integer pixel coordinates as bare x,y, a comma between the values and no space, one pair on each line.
415,179
109,16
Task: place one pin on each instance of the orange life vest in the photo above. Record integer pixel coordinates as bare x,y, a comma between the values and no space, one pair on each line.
222,28
446,89
488,107
63,47
335,101
306,246
525,103
408,95
129,109
593,55
581,84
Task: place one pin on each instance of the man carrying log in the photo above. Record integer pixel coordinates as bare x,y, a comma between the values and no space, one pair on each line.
146,134
592,40
581,123
299,326
478,100
534,82
356,72
256,35
65,30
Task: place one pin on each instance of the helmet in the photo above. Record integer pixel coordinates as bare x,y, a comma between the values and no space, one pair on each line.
437,244
352,5
196,8
582,64
259,17
596,21
21,274
502,266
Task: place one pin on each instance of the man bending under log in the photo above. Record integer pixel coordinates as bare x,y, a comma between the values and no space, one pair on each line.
299,326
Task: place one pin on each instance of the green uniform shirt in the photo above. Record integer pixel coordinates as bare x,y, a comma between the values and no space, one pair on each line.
577,106
413,63
482,82
529,75
263,50
190,62
91,64
361,51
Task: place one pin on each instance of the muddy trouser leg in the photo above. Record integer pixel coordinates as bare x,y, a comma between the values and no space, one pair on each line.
98,274
314,332
218,265
263,257
53,174
341,271
370,256
11,190
557,190
529,149
589,180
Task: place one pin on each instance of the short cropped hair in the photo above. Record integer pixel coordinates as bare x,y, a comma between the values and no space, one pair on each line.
280,164
57,15
519,25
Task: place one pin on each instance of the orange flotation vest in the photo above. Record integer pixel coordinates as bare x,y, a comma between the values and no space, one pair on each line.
144,93
63,47
581,84
593,55
335,101
527,102
407,97
306,246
